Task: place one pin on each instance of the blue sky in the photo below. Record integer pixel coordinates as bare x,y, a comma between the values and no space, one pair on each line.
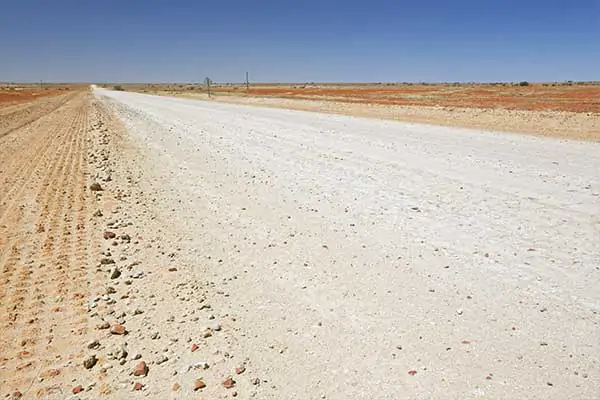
299,41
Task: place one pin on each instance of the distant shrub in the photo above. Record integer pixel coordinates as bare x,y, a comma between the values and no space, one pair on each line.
118,87
524,83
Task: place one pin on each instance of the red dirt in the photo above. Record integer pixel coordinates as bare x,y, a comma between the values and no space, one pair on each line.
538,97
12,96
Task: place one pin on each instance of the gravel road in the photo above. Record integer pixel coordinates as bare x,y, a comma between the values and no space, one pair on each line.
374,259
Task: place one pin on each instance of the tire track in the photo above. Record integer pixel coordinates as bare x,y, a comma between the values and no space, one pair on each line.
44,258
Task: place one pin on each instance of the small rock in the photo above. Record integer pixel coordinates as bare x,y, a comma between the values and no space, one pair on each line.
118,330
207,333
109,235
104,325
162,359
107,261
89,362
115,273
256,381
77,389
138,386
240,370
194,347
95,187
17,395
229,383
176,387
141,369
199,384
199,365
216,327
98,213
93,344
412,372
155,335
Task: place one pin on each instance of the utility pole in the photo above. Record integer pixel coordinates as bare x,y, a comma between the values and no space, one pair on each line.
207,82
247,84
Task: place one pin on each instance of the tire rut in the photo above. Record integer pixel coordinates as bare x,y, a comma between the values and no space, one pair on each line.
44,258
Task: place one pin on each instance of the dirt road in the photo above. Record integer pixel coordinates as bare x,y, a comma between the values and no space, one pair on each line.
168,248
355,258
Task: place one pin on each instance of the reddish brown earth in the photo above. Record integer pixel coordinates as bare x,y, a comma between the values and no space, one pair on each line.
538,97
10,96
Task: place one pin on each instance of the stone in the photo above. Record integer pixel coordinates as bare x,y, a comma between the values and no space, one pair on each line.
77,389
104,325
228,383
118,330
195,347
94,344
109,235
115,273
240,370
162,359
89,362
95,187
199,384
176,387
107,261
141,369
206,334
137,386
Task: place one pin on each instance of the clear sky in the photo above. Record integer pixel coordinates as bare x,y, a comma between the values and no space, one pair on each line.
299,41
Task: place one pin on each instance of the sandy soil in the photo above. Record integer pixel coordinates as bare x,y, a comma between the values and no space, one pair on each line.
378,259
302,255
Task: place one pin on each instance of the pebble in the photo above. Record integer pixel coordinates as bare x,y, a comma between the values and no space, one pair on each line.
229,383
93,344
89,362
138,386
199,384
176,387
109,235
194,347
107,261
162,359
240,370
155,335
141,369
115,273
216,327
207,333
77,389
95,187
118,330
104,325
199,365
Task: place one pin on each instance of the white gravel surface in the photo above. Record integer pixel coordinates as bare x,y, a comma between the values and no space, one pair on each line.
371,259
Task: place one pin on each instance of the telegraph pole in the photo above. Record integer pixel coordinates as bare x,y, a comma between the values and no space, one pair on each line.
207,81
247,84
